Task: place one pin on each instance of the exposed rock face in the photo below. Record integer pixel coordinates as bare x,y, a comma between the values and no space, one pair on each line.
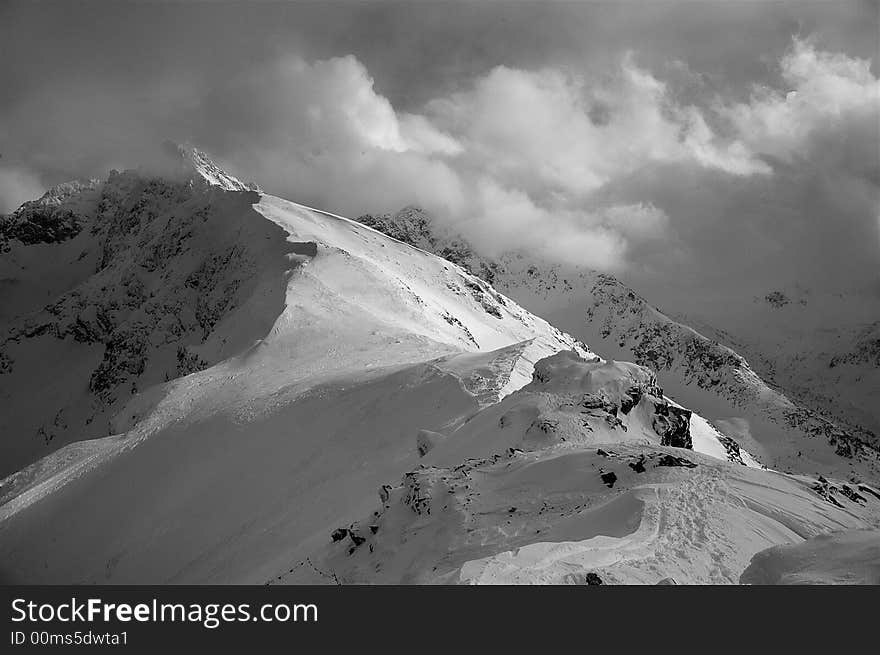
673,425
166,268
39,224
46,220
409,225
829,491
661,345
190,159
592,578
672,460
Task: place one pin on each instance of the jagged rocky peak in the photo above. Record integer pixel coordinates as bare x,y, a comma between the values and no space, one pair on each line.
188,160
158,257
410,225
61,213
58,215
62,192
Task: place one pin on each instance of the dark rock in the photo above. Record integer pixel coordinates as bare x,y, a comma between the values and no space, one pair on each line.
672,460
777,299
491,309
34,224
673,425
593,578
868,490
634,395
609,478
189,362
597,401
339,534
826,490
734,454
639,465
853,495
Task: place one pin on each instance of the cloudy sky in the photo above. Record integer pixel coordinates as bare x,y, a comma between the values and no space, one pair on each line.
719,145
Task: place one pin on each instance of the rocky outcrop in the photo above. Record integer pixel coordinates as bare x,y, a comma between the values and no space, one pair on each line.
151,289
47,220
592,578
673,425
829,492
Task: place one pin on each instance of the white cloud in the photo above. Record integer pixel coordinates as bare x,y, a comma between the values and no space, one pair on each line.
506,219
555,160
825,91
525,159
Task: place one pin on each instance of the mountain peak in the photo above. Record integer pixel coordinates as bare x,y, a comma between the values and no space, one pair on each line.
190,159
61,192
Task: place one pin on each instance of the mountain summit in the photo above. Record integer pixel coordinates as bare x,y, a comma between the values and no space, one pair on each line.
192,161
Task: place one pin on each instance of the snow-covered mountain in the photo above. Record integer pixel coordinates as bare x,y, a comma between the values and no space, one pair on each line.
823,348
113,287
568,481
776,422
235,375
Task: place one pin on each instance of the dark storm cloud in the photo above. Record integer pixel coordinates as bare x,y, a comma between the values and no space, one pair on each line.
652,138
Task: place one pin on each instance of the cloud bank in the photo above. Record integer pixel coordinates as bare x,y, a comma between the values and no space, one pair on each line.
631,162
617,171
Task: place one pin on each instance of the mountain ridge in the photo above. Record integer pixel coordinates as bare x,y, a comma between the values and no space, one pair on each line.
600,309
333,361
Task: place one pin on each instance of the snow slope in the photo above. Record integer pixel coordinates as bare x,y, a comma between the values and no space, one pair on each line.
545,488
335,347
783,431
846,557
